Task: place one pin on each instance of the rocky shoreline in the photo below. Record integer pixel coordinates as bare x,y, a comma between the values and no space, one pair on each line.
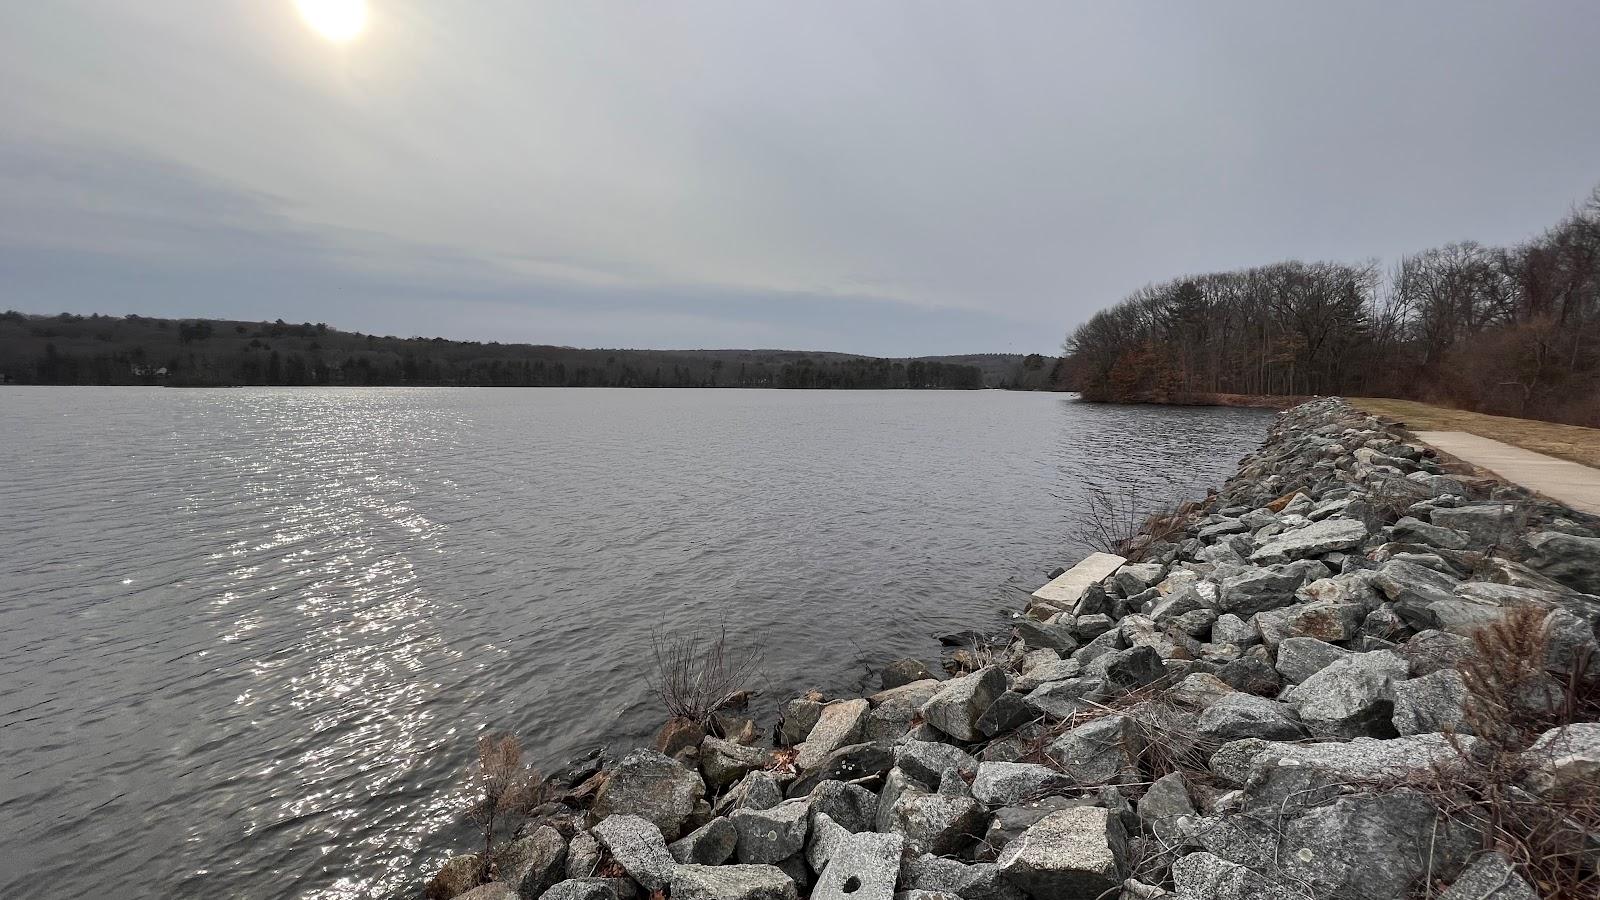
1352,673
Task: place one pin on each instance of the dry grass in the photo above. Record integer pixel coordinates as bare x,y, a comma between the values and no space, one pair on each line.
1548,838
1581,445
505,787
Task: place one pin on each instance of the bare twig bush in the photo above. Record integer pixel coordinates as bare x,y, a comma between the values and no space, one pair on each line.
1513,699
695,677
1123,522
505,787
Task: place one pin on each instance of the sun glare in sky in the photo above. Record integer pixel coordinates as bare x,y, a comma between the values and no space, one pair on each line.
339,21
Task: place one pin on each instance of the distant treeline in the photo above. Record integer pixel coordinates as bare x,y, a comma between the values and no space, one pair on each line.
95,349
1512,331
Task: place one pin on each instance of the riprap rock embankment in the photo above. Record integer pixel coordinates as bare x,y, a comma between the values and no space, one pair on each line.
1350,673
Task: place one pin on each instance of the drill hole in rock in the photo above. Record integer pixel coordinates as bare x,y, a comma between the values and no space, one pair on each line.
851,885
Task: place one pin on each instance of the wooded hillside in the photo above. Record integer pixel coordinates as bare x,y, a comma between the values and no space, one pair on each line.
74,349
1511,331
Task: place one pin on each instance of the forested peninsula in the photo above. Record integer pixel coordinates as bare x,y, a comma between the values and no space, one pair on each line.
134,349
1504,330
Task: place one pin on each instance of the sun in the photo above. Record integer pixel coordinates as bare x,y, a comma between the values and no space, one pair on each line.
340,21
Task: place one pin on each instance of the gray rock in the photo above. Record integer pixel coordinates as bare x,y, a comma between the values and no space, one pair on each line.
1206,876
1008,712
896,785
1430,651
1061,699
1412,588
958,705
1198,691
1247,840
732,883
583,855
1353,697
1009,784
1252,674
1569,559
1434,703
912,695
1312,540
1490,877
532,864
1009,822
839,724
927,761
949,877
1373,845
1092,626
847,763
1348,587
1035,658
1222,528
1565,758
826,836
725,762
636,844
1415,531
799,716
648,784
1125,670
1570,644
1195,623
712,844
584,889
1359,760
757,790
1485,525
769,835
1333,621
937,823
851,806
1239,715
902,672
1230,629
1098,752
1075,852
1106,643
1046,672
1135,577
1163,804
1058,633
457,876
861,866
1253,590
1301,657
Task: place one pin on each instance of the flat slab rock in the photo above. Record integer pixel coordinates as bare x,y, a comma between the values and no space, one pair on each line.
1315,539
1074,852
1065,590
732,883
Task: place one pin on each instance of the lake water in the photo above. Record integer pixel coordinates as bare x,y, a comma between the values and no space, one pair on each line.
247,637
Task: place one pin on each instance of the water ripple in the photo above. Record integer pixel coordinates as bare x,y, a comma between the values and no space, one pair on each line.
247,636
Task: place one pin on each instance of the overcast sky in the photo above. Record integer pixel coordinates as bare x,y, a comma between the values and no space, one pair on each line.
880,177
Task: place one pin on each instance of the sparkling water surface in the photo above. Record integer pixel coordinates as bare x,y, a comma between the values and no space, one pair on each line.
248,637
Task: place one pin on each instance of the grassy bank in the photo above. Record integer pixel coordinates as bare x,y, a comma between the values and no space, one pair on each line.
1581,445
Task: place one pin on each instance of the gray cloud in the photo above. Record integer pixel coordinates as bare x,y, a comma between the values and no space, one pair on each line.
889,178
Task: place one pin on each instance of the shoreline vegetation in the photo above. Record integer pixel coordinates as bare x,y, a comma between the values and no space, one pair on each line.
1354,671
1508,331
69,349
